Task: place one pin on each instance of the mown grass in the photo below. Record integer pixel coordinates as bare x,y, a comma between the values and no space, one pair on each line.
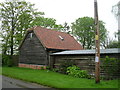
56,80
0,70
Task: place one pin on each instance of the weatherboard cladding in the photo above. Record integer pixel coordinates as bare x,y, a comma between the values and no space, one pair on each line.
39,42
32,51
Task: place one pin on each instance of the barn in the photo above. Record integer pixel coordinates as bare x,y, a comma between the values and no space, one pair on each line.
39,42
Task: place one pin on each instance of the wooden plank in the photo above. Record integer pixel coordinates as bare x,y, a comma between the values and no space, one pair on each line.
32,51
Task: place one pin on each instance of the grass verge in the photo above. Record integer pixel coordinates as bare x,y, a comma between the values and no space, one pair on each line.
0,70
55,80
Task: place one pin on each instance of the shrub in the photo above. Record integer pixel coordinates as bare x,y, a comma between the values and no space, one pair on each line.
48,67
110,67
62,68
7,60
76,72
55,69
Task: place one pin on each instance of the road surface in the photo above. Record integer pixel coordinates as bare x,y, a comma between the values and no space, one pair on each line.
8,82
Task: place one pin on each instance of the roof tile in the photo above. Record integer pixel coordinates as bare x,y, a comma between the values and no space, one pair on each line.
56,40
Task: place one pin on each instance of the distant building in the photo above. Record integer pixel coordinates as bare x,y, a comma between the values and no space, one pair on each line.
39,42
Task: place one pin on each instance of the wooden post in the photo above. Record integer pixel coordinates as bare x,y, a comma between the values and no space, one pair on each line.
97,43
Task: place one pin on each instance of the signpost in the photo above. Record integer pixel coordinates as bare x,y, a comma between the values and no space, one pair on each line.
97,42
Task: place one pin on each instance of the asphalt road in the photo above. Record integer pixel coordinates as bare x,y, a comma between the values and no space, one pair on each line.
14,83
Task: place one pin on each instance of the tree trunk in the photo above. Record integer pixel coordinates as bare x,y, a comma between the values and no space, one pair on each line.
12,32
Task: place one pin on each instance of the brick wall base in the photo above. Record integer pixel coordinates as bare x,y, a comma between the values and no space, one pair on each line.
32,66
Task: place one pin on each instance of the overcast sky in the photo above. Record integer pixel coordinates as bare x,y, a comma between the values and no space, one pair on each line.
69,10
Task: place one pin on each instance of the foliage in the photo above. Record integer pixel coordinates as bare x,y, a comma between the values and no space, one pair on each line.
84,30
46,22
66,28
48,67
110,66
55,80
0,70
7,61
117,34
115,10
76,72
55,69
62,68
16,17
114,44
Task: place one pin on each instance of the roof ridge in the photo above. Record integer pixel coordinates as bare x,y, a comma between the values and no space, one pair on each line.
50,38
50,29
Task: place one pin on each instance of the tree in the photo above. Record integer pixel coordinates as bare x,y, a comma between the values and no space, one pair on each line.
15,18
116,10
46,22
66,28
83,29
105,43
113,44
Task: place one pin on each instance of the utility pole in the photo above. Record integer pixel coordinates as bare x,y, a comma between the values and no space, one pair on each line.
97,43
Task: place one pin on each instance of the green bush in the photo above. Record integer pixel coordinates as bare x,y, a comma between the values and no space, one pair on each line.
55,69
62,68
110,67
76,72
7,60
48,67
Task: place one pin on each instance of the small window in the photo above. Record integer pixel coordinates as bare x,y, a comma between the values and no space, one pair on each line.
31,35
61,37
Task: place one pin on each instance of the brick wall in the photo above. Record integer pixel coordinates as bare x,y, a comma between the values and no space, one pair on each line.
32,66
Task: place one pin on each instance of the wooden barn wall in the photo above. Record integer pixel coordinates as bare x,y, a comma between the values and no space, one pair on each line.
32,51
15,59
85,62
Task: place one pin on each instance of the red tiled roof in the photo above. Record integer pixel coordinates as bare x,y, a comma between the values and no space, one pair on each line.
53,39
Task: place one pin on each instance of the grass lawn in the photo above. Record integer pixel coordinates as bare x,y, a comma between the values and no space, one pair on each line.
0,70
56,80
